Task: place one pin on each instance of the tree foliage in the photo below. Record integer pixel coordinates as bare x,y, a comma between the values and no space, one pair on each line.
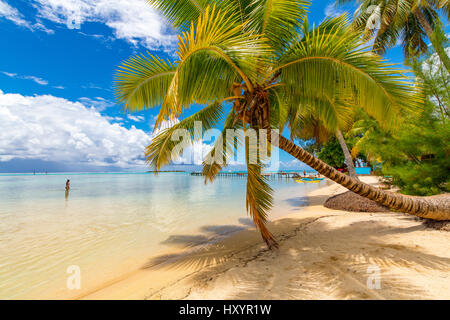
416,154
332,154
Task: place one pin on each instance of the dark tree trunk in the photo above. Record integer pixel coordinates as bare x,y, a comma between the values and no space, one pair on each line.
347,155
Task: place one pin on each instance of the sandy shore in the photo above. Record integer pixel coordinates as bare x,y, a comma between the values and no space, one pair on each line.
323,254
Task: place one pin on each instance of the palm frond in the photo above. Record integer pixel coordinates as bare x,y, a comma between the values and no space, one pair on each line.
280,109
180,13
142,82
259,198
312,129
183,13
244,8
278,20
390,22
413,38
332,64
213,56
443,5
324,113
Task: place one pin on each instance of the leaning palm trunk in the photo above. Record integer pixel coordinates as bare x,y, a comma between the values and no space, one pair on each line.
431,35
435,208
347,155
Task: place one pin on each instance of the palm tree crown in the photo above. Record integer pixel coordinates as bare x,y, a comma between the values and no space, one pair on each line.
408,22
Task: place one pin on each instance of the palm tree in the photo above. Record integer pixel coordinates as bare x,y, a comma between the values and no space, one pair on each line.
347,155
248,59
409,21
306,126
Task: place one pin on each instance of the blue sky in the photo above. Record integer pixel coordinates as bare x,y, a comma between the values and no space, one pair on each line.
57,66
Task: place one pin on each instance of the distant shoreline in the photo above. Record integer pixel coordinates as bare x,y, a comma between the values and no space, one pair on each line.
167,171
78,173
6,174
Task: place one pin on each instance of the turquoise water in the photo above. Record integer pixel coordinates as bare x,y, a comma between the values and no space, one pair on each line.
111,224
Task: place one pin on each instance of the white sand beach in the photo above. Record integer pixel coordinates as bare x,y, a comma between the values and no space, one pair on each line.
323,254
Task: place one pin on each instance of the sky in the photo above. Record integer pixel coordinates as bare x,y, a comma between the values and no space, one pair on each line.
57,64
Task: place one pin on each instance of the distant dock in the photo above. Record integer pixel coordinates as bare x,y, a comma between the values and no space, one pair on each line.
274,175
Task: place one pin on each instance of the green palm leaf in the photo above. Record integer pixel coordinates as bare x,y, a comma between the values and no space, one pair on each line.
278,20
333,114
217,51
330,63
181,13
142,82
259,198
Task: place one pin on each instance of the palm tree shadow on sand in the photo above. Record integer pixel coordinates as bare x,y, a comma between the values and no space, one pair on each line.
210,234
311,200
315,266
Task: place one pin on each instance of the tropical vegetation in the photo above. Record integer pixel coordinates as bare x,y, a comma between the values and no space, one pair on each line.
416,154
331,147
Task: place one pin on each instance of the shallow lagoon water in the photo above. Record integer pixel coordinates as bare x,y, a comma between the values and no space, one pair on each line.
111,224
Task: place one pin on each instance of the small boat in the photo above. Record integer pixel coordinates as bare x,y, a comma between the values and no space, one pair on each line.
309,180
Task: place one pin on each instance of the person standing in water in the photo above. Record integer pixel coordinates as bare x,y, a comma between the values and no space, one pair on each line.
67,190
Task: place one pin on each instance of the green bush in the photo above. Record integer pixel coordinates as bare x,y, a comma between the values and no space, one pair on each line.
332,154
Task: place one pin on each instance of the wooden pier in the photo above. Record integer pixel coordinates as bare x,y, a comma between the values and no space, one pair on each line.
275,175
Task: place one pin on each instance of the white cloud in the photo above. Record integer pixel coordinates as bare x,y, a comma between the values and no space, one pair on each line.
9,74
12,14
120,119
99,103
331,10
94,86
55,129
95,36
434,63
38,80
132,20
136,118
41,27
